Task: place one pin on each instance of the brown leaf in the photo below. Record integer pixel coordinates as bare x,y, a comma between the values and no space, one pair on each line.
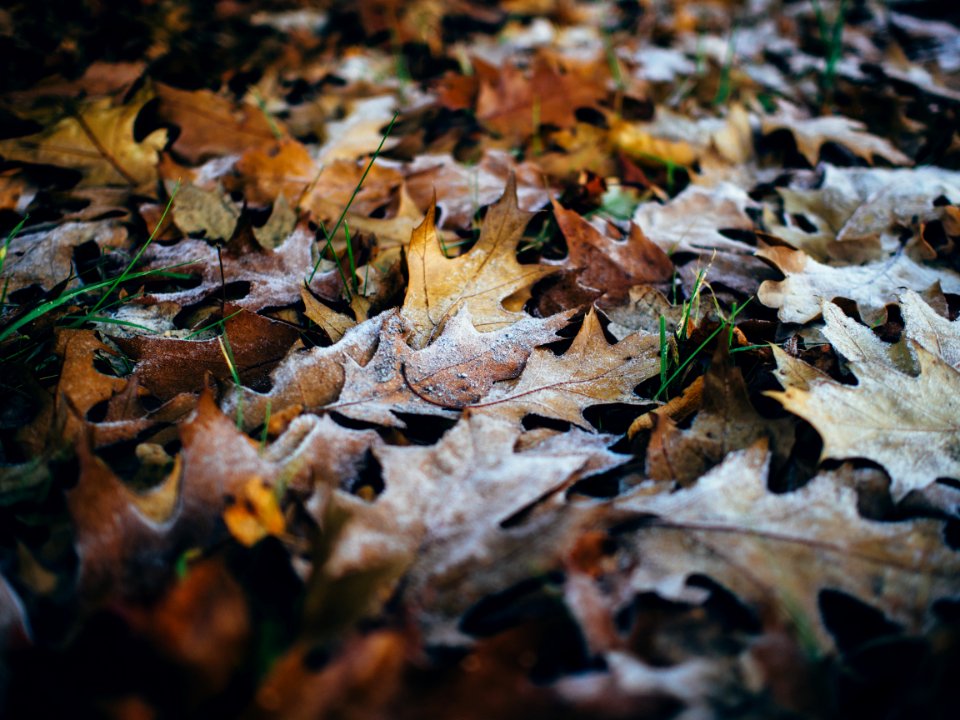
46,258
871,286
274,276
908,424
481,280
460,190
811,134
590,372
727,421
780,551
168,367
445,509
455,370
212,125
610,265
516,106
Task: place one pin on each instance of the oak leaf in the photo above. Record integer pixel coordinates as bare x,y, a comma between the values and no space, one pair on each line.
908,424
590,372
780,552
450,511
97,140
812,133
610,265
455,370
873,285
516,106
482,279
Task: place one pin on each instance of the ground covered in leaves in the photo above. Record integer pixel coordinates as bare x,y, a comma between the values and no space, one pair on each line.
527,359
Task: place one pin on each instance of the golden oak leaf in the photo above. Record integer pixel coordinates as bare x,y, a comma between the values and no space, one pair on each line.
255,514
871,286
98,141
780,551
812,133
908,424
590,372
482,279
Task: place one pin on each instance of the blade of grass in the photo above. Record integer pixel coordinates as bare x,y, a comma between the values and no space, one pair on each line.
136,258
346,208
50,305
221,321
232,366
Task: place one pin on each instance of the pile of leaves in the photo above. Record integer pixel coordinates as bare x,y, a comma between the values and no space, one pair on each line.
524,359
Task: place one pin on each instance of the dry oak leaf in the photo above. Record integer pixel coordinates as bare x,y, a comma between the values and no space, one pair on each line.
780,551
798,297
455,370
460,190
470,515
482,279
590,372
515,106
307,380
811,134
168,366
692,221
610,265
212,125
859,214
909,425
98,140
930,330
275,276
46,258
726,421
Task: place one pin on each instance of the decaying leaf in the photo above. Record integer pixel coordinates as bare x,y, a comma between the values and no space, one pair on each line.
454,371
99,141
811,134
445,513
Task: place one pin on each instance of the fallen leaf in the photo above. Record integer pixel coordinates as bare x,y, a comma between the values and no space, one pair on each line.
797,298
906,423
482,279
45,258
98,140
726,422
812,133
611,265
779,552
693,221
516,106
455,370
212,125
168,366
444,513
590,372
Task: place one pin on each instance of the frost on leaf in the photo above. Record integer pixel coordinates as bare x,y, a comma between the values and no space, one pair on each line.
778,552
482,279
910,424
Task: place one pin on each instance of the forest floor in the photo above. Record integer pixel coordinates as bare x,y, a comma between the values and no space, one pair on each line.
467,360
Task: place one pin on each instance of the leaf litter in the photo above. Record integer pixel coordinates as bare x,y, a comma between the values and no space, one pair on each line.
614,375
